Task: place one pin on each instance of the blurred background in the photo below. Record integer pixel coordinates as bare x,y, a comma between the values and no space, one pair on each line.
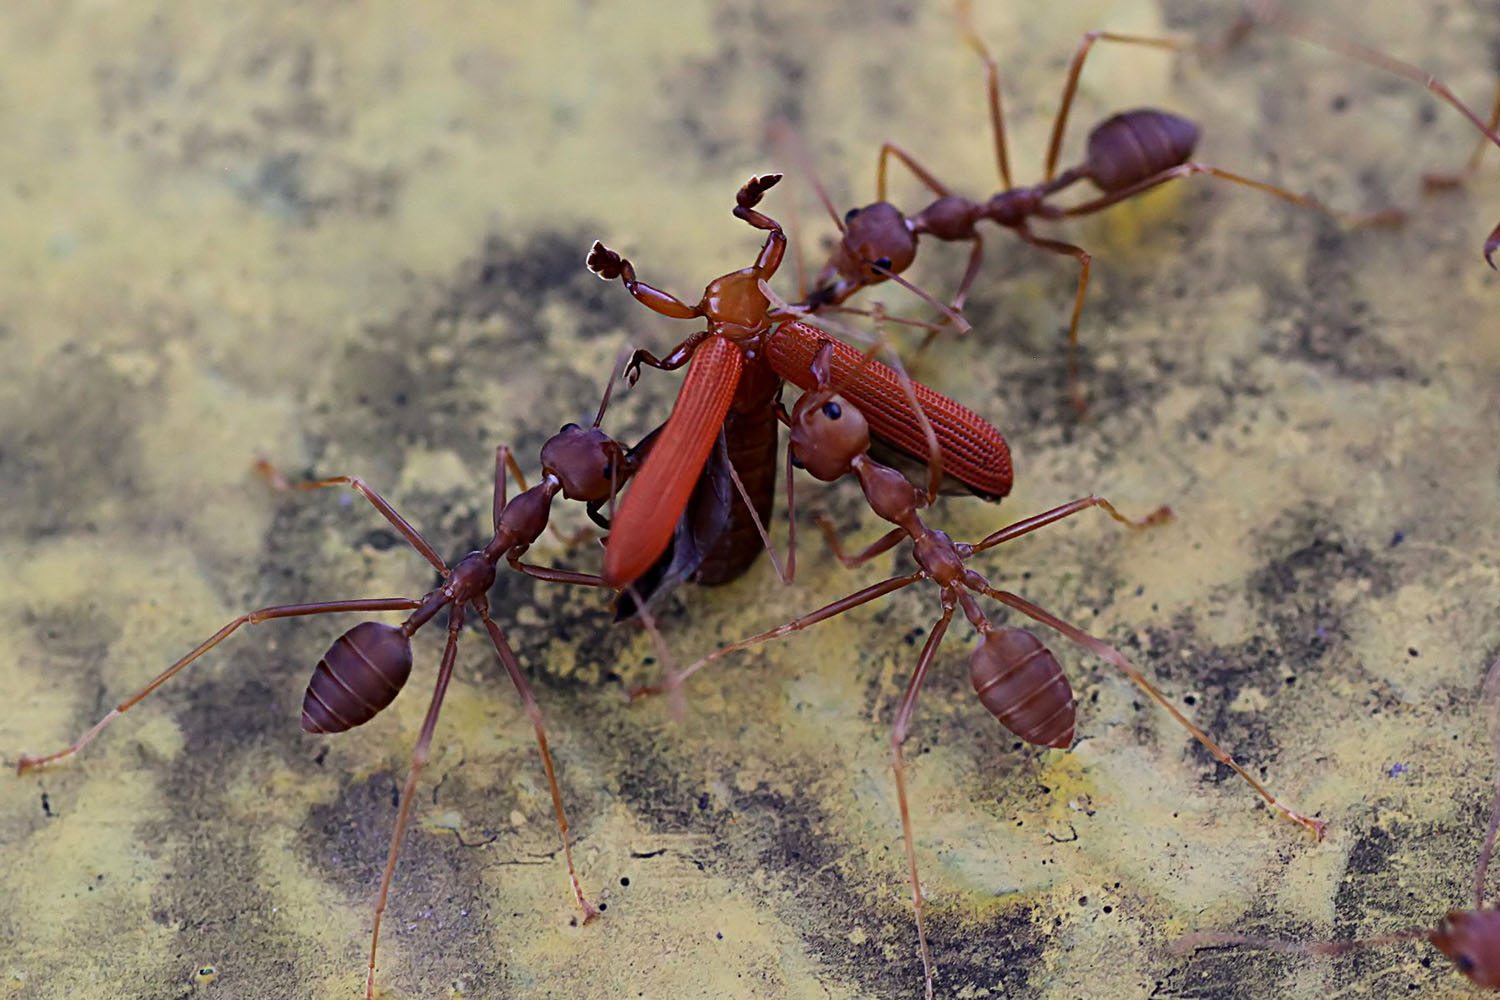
350,238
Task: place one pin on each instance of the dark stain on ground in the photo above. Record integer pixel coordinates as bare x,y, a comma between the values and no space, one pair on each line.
49,491
226,716
1231,972
997,954
1393,882
1331,328
285,153
425,376
1299,558
761,831
439,912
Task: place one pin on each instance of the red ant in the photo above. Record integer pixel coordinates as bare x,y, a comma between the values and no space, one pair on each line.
1262,11
1015,676
1470,938
367,666
1126,155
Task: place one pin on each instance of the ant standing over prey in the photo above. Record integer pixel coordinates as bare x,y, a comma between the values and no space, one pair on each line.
366,667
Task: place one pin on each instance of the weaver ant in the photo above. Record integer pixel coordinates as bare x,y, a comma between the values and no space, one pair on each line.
1015,676
1126,155
366,667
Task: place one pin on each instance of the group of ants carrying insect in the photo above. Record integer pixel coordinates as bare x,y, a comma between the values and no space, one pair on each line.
701,486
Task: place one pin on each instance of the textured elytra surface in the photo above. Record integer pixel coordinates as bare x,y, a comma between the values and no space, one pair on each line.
351,241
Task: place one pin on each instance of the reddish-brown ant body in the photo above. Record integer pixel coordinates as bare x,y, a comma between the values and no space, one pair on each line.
1126,155
1015,676
366,667
1469,938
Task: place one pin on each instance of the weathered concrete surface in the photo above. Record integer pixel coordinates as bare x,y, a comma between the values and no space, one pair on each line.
350,238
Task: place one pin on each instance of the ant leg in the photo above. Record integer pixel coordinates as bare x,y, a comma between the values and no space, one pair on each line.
992,77
889,149
577,538
1070,88
976,256
609,265
928,325
1075,394
898,764
1384,217
418,760
1266,12
1208,939
26,763
785,574
551,574
1046,517
534,712
1462,176
884,543
1102,649
838,607
359,486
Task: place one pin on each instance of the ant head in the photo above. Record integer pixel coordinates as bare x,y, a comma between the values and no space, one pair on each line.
877,234
827,434
1471,938
588,462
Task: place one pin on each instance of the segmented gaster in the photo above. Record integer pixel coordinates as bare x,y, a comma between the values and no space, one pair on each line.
361,673
1019,681
1134,145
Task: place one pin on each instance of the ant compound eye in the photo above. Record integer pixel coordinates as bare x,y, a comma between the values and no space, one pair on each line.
608,472
849,215
1465,964
797,462
832,411
565,428
884,263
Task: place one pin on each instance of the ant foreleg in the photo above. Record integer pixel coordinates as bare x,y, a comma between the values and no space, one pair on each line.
884,543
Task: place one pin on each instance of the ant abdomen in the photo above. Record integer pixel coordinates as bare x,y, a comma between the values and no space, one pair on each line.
361,673
1020,682
1134,145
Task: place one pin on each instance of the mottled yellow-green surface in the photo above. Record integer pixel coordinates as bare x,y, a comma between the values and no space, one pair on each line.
350,237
